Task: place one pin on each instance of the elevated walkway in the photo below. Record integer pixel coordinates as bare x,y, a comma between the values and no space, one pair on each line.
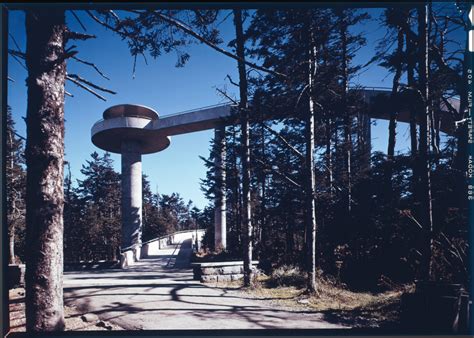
213,116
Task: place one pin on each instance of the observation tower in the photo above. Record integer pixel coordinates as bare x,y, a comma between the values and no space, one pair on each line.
127,129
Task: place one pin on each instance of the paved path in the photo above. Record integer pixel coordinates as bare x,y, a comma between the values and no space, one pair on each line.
159,293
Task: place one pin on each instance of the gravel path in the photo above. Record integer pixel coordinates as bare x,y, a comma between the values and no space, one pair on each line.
159,293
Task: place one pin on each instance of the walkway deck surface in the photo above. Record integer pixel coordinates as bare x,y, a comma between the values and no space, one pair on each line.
159,293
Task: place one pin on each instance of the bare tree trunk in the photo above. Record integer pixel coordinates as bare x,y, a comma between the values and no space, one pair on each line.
426,213
45,59
245,142
346,114
289,238
328,157
11,242
434,130
394,113
263,234
413,118
220,205
310,208
237,192
11,212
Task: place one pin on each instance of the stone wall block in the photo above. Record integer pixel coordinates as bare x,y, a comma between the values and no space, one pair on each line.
208,278
209,271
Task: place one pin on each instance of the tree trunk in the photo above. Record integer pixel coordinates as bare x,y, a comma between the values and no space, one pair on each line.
220,207
426,213
263,211
245,143
12,209
346,114
392,128
310,209
394,113
434,130
237,192
11,242
328,157
45,29
413,118
289,239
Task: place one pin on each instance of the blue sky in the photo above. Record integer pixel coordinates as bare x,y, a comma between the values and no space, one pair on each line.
166,89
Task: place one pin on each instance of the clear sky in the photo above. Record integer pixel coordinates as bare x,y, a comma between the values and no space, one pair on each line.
166,89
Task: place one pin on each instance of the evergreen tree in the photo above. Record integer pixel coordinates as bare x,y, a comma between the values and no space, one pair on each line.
100,197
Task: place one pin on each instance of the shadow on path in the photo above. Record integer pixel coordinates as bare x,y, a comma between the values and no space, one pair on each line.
159,293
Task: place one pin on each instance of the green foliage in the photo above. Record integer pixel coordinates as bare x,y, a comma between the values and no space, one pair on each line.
150,31
92,218
379,239
92,212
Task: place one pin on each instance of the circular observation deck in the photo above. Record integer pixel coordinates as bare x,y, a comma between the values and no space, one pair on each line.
128,122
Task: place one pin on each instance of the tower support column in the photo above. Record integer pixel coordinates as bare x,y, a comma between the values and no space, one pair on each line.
220,227
131,197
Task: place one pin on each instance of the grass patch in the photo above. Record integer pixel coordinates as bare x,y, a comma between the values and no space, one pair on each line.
286,288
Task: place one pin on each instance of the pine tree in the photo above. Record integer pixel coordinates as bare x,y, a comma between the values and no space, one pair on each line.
45,59
100,197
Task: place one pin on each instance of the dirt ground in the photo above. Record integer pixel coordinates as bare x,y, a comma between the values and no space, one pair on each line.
73,319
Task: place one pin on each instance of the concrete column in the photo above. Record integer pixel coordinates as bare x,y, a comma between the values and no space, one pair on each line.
220,228
131,195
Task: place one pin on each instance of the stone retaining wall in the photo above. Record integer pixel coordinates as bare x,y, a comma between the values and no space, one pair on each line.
220,271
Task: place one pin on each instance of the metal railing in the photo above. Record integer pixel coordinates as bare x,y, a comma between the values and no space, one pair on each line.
197,109
159,239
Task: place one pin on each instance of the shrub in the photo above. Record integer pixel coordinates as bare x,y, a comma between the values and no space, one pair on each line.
288,275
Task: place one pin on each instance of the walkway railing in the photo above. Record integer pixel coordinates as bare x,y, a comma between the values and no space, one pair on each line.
134,253
197,109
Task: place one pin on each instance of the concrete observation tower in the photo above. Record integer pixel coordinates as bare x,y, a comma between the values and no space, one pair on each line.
128,130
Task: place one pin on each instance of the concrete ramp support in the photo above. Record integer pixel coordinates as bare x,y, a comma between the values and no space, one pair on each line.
220,228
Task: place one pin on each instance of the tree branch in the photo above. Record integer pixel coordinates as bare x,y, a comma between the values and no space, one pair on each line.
188,30
114,15
14,41
91,65
408,214
79,36
93,85
449,106
79,20
231,81
227,96
300,96
86,88
106,25
267,166
16,53
13,53
284,141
